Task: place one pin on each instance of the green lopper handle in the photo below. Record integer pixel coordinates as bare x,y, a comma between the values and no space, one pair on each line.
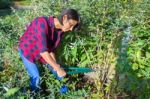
77,70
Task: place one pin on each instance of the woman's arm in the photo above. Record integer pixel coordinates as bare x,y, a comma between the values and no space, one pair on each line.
48,58
52,54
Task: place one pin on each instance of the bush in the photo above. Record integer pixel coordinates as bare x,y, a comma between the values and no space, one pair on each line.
113,40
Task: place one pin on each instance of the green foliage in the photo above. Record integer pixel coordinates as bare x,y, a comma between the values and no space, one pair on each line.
133,64
97,45
5,4
11,92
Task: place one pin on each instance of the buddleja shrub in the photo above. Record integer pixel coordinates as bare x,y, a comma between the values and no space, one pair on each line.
95,45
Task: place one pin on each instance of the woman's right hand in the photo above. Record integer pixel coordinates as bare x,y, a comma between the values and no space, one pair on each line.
60,72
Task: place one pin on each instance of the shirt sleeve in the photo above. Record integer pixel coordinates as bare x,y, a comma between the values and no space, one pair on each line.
42,29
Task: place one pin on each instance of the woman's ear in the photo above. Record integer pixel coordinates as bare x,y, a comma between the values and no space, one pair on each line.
65,18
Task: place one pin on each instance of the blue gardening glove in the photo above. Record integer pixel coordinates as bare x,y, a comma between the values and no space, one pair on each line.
59,78
51,68
63,89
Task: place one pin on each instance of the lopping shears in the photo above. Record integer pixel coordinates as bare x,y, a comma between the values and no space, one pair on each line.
70,70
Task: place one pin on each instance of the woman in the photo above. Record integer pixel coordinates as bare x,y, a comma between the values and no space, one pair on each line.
40,40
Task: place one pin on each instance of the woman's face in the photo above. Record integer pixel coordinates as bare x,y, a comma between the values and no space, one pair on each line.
68,25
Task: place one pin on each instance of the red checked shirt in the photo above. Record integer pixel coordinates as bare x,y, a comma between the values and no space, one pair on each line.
40,36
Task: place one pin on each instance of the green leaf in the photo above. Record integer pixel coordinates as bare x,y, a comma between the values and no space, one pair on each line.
134,66
138,54
57,82
21,97
147,55
83,57
74,52
96,95
140,43
83,63
12,91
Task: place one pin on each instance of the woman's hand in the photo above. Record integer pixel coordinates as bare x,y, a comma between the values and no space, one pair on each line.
49,59
60,72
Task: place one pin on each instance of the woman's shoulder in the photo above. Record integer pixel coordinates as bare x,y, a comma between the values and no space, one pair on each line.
44,19
40,19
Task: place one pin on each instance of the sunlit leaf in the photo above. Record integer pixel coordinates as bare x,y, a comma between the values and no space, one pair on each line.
12,91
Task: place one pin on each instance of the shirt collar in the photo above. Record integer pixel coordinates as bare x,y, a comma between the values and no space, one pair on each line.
51,19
